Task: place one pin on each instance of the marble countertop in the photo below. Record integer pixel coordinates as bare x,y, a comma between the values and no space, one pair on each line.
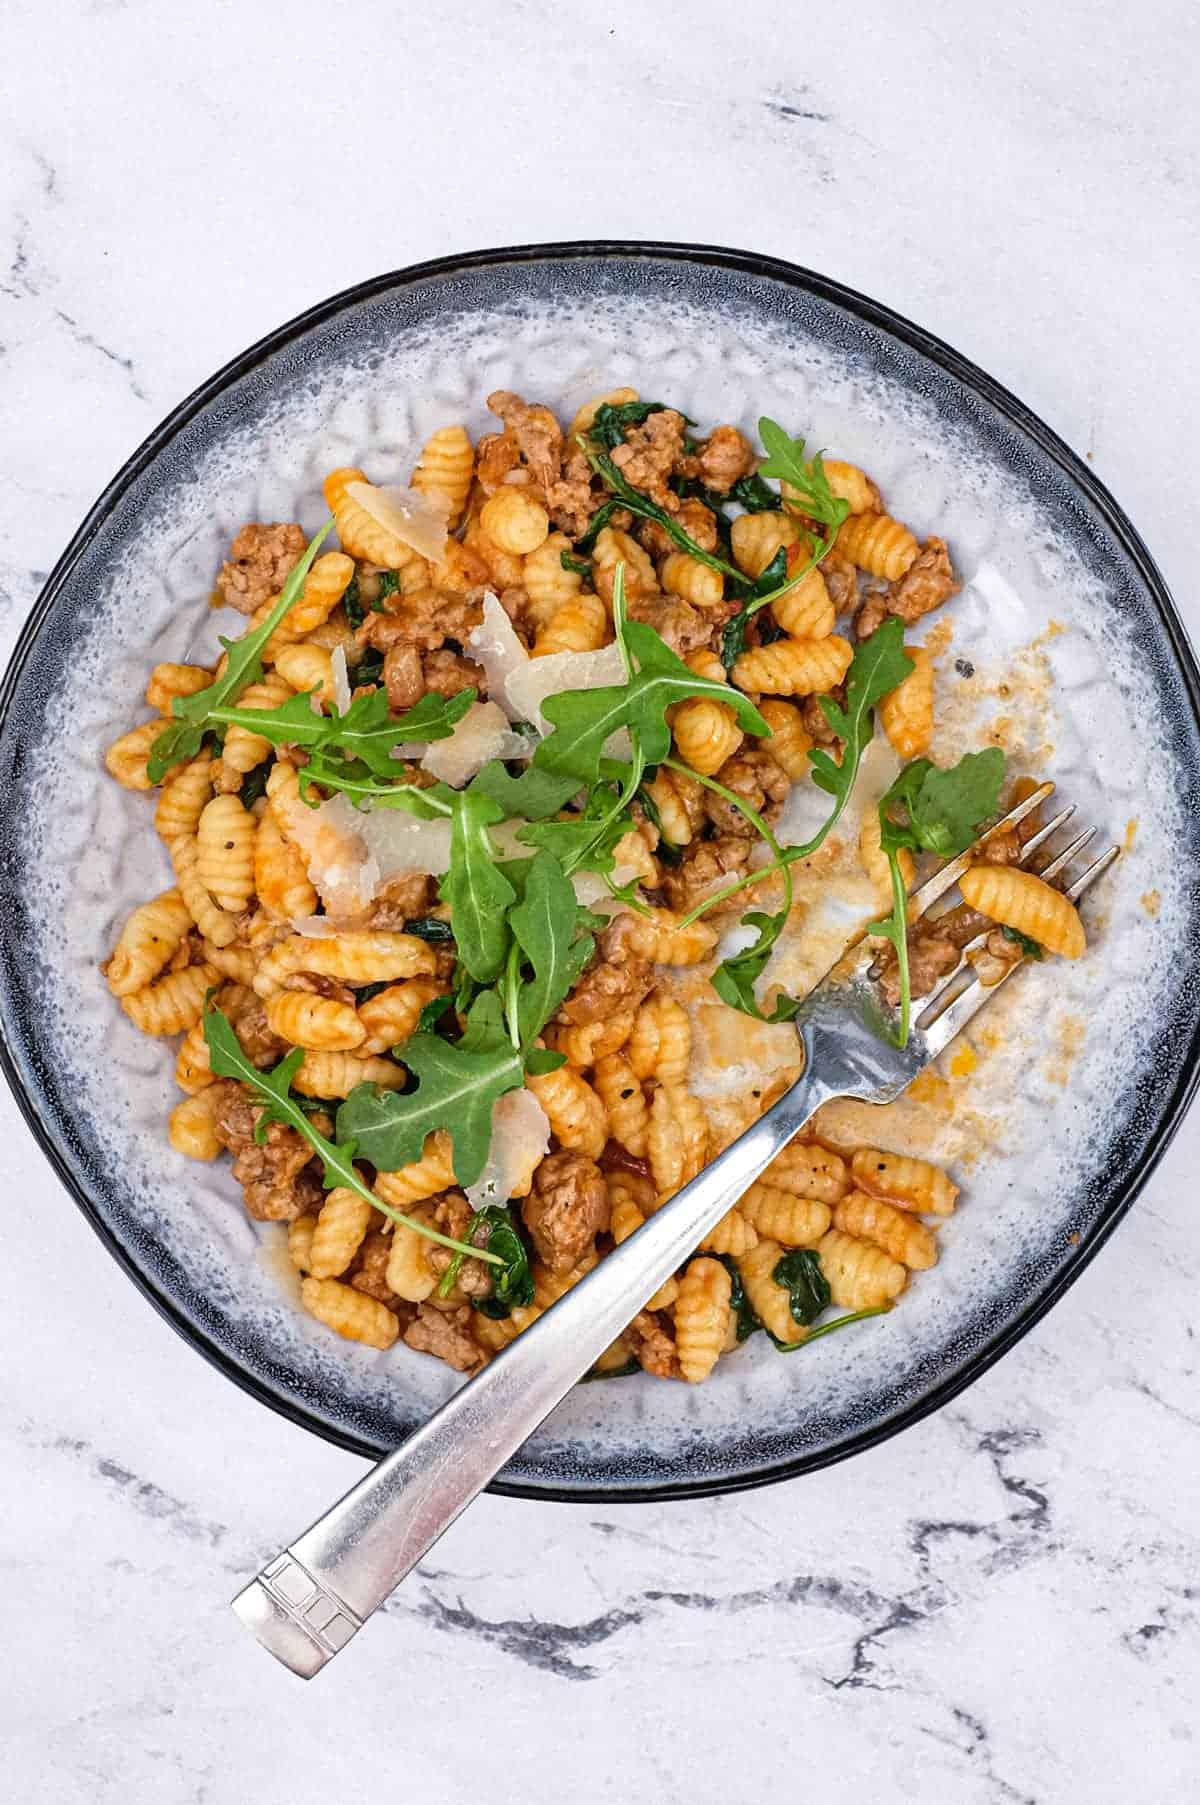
999,1606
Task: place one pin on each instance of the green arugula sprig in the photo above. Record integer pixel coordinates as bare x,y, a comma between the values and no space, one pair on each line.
626,496
274,1091
365,735
194,716
512,1285
943,811
613,419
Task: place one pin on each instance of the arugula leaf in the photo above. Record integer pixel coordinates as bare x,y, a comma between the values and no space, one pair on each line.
751,493
772,583
785,460
545,927
431,1014
666,850
595,1375
944,811
459,1083
581,566
254,785
799,1272
596,525
512,1284
193,714
743,1310
389,584
879,665
352,602
369,668
645,509
830,1328
274,1090
612,420
478,894
584,841
1032,949
541,1059
431,928
535,795
366,733
584,719
735,977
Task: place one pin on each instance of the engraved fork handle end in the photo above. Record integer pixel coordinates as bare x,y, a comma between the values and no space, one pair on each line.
296,1617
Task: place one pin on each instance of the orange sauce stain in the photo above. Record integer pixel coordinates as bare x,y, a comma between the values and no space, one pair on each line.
1152,902
1131,828
963,1060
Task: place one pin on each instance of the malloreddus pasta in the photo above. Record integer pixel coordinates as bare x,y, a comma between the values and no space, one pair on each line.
495,763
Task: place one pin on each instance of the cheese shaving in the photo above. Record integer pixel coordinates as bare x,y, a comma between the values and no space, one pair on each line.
520,1139
494,644
481,735
341,680
417,520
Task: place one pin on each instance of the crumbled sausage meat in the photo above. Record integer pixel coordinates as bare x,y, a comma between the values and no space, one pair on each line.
426,619
446,1334
683,627
496,455
652,1345
452,1215
566,1210
259,560
841,580
611,986
928,582
259,1044
930,957
724,457
651,453
277,1178
753,775
369,1272
697,520
703,868
813,716
318,985
403,677
871,615
398,900
448,672
539,436
571,499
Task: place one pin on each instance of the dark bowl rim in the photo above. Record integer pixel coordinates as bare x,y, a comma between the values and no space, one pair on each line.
963,371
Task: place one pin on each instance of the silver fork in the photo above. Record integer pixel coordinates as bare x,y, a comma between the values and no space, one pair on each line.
310,1600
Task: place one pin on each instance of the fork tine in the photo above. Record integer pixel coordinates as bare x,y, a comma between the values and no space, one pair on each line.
958,1013
1045,833
948,876
1096,869
1063,859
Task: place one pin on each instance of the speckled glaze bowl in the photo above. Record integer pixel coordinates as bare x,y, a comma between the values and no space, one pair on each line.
1081,1078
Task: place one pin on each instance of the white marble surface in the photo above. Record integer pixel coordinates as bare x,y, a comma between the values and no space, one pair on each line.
1001,1605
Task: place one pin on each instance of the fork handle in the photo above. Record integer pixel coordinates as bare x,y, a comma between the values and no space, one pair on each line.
307,1603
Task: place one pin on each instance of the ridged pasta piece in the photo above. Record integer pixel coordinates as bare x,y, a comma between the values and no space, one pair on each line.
391,1016
336,631
170,680
874,860
409,1272
780,1215
806,611
127,757
906,714
185,791
341,1226
626,1216
733,1234
283,886
505,570
877,544
237,962
193,1065
242,749
546,583
660,1044
852,485
446,468
225,853
324,587
790,739
613,547
583,1043
213,921
283,797
360,533
658,936
459,570
350,1313
901,1236
706,734
860,1275
172,1004
149,940
769,1301
756,538
548,1287
633,853
585,416
515,521
322,1023
677,1138
621,1094
680,804
305,667
300,1232
695,581
702,1316
1027,903
357,956
580,625
424,1177
192,1128
337,1074
807,1169
795,667
915,1184
577,1117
